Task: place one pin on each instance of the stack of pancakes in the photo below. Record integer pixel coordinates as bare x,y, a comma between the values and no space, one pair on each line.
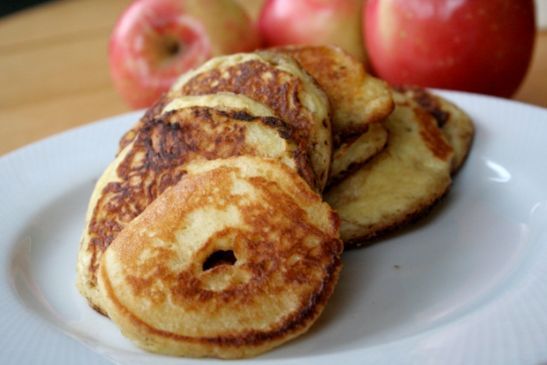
208,234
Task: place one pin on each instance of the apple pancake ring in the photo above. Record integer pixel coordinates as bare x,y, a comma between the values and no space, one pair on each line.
238,257
357,99
400,183
359,102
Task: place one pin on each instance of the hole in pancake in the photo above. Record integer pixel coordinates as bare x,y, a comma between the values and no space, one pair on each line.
219,257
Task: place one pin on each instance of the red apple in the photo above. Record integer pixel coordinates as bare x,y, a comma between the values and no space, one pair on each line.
154,41
337,22
480,46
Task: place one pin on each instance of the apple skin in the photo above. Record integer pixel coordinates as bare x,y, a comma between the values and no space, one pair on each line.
154,41
338,22
481,46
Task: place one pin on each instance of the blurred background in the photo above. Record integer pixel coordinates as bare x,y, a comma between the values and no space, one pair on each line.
541,8
54,71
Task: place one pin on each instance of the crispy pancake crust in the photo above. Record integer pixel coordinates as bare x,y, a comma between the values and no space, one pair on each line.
401,182
454,123
156,159
278,82
224,101
162,290
357,99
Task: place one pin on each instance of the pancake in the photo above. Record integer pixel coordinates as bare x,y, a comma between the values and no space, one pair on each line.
400,183
238,257
221,100
278,82
354,153
155,159
357,99
358,102
454,123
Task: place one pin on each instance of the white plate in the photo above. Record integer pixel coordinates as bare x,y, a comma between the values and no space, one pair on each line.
467,286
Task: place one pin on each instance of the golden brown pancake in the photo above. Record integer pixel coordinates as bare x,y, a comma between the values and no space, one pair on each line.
222,100
238,257
358,102
354,153
155,159
278,82
454,123
357,99
400,183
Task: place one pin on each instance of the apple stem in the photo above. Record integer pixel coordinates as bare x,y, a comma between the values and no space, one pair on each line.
172,46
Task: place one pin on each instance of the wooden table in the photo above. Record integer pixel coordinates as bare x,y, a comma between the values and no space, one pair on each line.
54,71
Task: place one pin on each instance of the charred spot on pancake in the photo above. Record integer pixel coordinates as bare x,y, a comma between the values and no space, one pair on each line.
239,115
428,102
351,135
432,135
286,131
303,167
150,114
